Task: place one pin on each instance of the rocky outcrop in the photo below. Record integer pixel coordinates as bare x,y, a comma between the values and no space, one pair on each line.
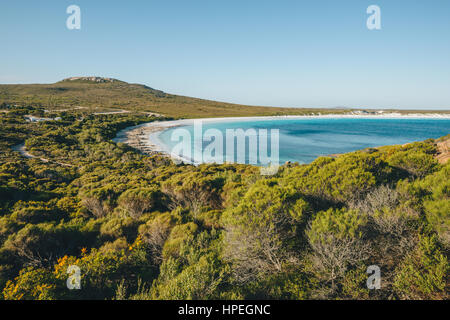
92,79
443,151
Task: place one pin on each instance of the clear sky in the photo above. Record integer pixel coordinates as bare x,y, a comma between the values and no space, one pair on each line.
315,53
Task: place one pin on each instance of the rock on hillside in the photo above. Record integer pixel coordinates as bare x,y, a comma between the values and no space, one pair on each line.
443,150
91,79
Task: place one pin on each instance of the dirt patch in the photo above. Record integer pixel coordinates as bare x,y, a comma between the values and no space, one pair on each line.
23,151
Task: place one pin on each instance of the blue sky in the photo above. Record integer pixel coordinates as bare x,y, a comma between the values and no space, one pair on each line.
279,53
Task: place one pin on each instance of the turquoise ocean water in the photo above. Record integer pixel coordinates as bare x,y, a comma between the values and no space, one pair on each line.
303,140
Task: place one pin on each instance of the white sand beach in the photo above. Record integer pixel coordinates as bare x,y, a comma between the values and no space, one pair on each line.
144,137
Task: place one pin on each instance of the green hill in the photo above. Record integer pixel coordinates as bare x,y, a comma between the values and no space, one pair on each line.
96,93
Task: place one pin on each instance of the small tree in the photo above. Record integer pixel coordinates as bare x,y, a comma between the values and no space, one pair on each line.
261,233
193,191
137,201
95,206
336,241
392,225
155,233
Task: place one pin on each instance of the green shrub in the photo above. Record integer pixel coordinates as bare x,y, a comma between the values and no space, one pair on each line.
423,274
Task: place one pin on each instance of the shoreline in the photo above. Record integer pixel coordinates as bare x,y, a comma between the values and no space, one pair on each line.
145,137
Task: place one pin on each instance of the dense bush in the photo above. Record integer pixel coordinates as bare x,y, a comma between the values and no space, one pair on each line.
142,227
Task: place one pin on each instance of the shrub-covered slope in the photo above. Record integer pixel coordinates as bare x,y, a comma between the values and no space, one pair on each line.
142,227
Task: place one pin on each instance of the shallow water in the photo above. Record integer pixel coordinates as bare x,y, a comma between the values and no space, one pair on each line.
303,140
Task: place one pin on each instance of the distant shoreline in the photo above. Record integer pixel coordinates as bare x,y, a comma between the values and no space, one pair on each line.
145,137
